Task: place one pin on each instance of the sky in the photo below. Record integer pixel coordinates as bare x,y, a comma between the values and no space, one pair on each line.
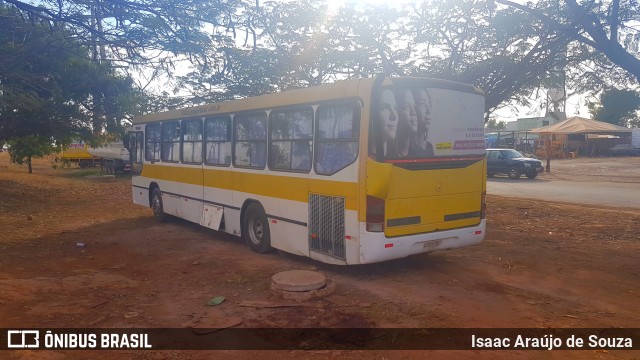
575,106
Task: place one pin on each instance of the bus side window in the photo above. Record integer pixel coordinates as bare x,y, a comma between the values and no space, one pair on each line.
192,141
217,137
250,140
170,151
337,137
291,139
152,142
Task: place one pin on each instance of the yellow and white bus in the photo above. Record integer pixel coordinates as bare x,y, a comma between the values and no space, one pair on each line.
354,172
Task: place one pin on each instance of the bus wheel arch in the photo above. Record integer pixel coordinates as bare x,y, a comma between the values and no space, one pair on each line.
255,227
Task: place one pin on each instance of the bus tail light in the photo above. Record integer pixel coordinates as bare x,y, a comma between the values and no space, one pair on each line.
375,214
483,206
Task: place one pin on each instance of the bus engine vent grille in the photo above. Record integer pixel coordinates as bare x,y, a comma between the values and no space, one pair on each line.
326,225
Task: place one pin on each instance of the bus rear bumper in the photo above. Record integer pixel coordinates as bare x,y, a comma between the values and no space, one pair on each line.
376,247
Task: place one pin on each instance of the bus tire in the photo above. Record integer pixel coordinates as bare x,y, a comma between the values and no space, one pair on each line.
156,205
255,229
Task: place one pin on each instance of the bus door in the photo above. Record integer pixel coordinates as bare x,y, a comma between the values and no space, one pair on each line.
216,175
136,151
191,178
134,143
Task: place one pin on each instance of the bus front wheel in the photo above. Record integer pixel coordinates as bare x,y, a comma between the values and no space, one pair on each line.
156,205
255,229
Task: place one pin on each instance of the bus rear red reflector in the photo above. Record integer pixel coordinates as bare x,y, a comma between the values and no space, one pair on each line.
375,214
388,246
274,221
348,237
478,232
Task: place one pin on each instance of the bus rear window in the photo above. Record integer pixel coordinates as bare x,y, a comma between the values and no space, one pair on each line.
415,123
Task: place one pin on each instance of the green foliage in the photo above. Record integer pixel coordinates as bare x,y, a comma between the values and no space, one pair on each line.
25,148
619,107
32,146
134,33
297,44
49,92
508,53
494,125
241,48
605,40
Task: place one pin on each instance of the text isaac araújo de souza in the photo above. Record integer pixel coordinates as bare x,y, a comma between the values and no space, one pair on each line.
550,342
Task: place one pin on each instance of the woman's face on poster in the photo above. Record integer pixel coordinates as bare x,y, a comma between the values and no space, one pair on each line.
423,108
388,115
407,110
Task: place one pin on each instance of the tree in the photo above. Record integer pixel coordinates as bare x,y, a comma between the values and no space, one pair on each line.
24,149
494,125
297,44
46,87
136,32
509,50
619,107
609,27
141,37
506,53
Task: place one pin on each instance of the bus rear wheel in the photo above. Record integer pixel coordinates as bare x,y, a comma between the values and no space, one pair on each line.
255,229
156,205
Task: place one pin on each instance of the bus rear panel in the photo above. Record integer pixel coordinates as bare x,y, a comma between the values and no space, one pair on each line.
426,172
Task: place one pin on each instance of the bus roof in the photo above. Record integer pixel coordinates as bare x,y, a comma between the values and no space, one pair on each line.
338,90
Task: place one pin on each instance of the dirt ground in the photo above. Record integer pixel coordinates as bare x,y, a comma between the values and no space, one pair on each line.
614,169
541,265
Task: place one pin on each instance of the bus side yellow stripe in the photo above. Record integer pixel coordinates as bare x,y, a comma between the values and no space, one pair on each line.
185,175
282,187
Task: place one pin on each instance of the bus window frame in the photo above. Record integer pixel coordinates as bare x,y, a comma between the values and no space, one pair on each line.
182,141
234,141
146,142
162,141
229,121
297,108
357,116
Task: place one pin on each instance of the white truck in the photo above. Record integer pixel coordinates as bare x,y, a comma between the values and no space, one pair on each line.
115,157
